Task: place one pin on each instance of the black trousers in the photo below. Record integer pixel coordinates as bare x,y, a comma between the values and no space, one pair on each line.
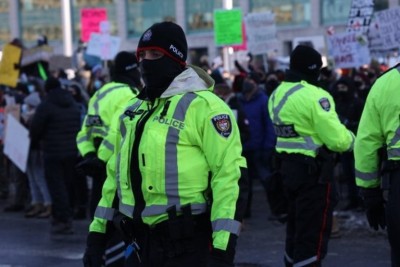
310,207
393,217
159,249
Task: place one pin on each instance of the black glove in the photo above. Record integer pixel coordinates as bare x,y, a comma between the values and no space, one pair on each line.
215,262
375,207
95,248
91,165
93,258
221,258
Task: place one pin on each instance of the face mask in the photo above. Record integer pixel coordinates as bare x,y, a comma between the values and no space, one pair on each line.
158,75
97,84
247,87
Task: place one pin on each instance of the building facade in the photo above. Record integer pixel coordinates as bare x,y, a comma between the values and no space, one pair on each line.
60,21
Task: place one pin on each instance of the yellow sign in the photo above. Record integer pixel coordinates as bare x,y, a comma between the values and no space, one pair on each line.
9,73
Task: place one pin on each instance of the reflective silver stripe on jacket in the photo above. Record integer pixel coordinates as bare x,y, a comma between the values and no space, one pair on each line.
305,262
108,145
288,143
367,175
391,151
308,144
228,225
276,119
171,154
160,209
104,213
171,165
122,129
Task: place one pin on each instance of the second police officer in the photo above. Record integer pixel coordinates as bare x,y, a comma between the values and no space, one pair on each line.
307,128
92,139
377,157
176,171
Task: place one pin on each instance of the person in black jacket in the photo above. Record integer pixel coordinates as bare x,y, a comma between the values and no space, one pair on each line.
226,93
56,123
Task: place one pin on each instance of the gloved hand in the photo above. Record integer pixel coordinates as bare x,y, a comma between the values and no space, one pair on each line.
215,262
93,258
95,248
220,258
375,207
91,165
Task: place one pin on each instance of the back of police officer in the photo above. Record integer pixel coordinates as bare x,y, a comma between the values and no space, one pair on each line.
307,128
377,157
175,172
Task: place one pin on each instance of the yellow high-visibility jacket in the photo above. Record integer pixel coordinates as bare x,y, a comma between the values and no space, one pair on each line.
379,126
173,151
101,108
305,119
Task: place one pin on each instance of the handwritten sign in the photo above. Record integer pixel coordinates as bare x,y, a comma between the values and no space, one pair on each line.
348,50
360,16
228,27
35,54
90,21
103,45
8,72
16,143
261,33
388,23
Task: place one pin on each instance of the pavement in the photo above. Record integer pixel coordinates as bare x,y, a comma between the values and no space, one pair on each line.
27,242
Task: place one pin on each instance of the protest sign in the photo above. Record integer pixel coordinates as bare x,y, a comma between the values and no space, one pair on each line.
261,33
90,21
228,27
388,24
103,45
35,54
360,16
9,71
16,143
348,50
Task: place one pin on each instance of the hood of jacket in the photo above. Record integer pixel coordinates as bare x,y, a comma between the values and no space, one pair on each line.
60,97
192,79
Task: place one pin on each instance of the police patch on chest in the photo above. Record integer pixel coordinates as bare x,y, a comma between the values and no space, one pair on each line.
325,104
222,124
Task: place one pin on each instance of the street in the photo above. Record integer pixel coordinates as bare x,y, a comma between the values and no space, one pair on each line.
27,242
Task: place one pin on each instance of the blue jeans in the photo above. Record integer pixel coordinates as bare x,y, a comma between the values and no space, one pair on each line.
37,182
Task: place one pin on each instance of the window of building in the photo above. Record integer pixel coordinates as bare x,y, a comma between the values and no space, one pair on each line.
109,5
381,5
39,17
287,12
141,14
4,27
336,12
199,14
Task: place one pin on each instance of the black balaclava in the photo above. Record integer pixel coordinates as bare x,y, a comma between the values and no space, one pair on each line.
158,74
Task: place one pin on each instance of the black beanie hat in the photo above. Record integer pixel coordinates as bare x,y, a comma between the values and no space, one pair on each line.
306,60
166,37
125,61
51,83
